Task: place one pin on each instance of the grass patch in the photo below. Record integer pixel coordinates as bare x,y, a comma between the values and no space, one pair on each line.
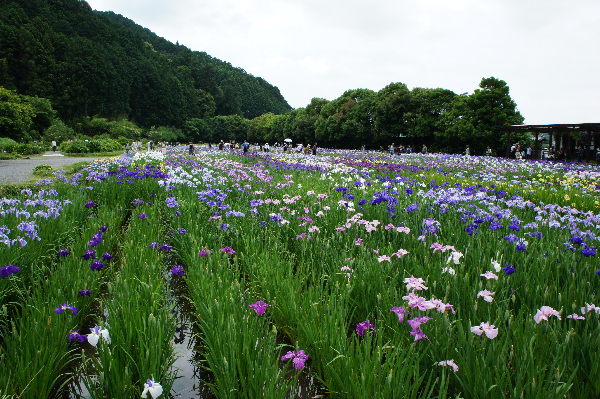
93,154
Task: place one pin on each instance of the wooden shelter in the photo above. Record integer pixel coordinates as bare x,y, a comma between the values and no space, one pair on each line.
561,135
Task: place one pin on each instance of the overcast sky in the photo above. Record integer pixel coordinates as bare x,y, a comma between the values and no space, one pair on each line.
548,51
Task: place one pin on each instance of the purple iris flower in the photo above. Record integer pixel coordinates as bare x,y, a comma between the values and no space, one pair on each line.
511,238
7,270
509,269
412,207
143,215
182,231
74,336
96,239
85,292
154,245
177,271
299,358
576,240
588,251
521,247
89,254
495,225
62,252
364,326
165,247
204,252
104,228
90,204
107,256
65,306
96,265
228,250
259,307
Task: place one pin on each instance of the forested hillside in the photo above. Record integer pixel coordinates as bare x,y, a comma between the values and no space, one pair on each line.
99,63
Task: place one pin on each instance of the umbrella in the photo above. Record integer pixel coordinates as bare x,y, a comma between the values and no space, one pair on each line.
288,140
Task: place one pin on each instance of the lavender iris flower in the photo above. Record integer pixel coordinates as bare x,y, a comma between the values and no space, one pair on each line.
400,311
85,292
107,256
90,204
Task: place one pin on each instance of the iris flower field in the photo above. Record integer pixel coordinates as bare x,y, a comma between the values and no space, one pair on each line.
377,276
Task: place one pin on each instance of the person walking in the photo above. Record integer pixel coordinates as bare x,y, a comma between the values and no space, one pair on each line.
528,153
488,152
392,149
314,149
54,145
424,149
191,148
467,151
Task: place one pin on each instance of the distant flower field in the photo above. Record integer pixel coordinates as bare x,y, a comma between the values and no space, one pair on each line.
415,276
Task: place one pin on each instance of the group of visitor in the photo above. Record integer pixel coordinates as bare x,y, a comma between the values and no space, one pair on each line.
400,149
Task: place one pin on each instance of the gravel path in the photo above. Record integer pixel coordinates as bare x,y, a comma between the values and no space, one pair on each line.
19,171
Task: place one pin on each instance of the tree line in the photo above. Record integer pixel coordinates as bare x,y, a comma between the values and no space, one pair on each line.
69,72
440,118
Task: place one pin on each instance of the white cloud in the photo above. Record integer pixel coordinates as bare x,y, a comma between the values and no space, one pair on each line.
544,49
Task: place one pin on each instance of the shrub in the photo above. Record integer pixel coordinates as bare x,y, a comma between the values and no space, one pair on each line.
43,170
7,144
74,147
28,149
91,146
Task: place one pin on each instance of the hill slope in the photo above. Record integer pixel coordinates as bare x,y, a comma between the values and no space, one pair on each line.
100,63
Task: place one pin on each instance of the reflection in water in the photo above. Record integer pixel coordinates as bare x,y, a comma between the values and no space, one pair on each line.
189,382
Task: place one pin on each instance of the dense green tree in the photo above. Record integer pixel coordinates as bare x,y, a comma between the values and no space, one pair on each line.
230,128
347,120
58,131
16,116
474,119
394,103
260,128
199,130
425,119
44,113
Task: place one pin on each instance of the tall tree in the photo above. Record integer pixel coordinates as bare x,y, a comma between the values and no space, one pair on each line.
474,119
